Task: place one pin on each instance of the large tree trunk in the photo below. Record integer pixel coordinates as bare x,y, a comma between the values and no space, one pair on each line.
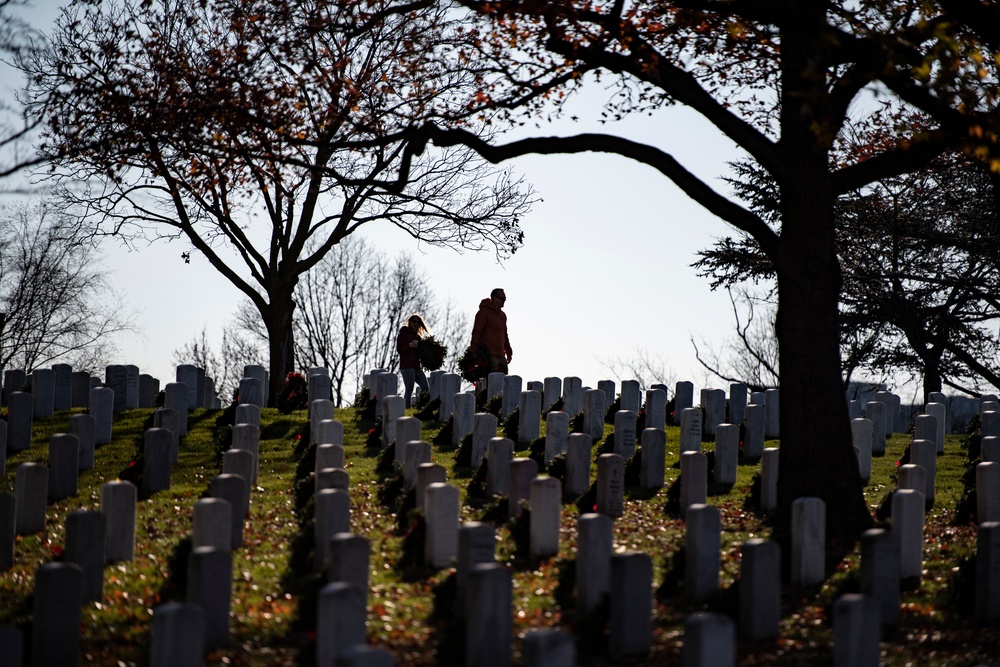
280,338
817,454
932,376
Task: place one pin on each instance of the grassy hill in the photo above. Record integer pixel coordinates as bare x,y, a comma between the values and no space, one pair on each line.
274,594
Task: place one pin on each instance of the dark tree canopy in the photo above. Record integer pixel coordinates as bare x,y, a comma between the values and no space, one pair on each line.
780,79
17,39
920,255
257,132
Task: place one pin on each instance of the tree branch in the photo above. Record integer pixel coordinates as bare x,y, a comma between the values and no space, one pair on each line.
663,162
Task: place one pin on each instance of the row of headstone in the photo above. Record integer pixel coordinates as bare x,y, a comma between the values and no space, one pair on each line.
720,409
182,633
485,586
93,538
56,389
61,388
341,634
201,391
254,388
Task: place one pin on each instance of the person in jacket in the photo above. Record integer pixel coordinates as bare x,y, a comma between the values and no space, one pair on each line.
409,362
490,331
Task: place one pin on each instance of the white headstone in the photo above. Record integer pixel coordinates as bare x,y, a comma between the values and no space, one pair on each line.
522,472
702,547
769,479
631,396
630,625
940,411
484,429
476,545
875,413
511,395
20,418
880,572
175,397
499,454
694,479
529,412
862,430
594,408
753,422
924,454
760,590
683,399
772,420
709,640
713,402
490,616
691,430
320,410
857,630
652,473
462,417
737,402
329,432
595,540
987,603
727,453
62,396
441,508
987,492
386,385
572,396
427,474
578,451
451,384
624,433
611,485
908,527
656,408
556,434
546,515
808,551
551,391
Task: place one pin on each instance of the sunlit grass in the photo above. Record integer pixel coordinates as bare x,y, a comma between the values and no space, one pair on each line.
264,613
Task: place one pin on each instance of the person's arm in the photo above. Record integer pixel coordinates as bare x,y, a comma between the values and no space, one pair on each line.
478,325
401,342
506,345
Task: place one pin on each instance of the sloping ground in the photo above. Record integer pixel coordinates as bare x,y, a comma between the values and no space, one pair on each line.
272,596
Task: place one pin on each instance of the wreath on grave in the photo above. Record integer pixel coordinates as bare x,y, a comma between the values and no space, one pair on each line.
294,395
474,365
431,353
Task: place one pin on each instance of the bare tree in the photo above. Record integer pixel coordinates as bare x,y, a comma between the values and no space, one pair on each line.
17,127
752,356
225,363
258,131
647,367
779,79
57,299
350,307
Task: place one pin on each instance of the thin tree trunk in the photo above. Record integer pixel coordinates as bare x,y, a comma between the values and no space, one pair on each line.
280,339
932,377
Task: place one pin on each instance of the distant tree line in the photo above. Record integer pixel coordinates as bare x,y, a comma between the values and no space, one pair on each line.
58,304
348,311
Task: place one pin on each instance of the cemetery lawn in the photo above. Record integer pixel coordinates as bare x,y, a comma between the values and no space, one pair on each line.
274,594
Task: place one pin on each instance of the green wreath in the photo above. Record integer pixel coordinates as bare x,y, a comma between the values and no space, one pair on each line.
431,353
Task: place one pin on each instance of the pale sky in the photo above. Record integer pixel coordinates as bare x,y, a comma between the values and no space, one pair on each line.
604,271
